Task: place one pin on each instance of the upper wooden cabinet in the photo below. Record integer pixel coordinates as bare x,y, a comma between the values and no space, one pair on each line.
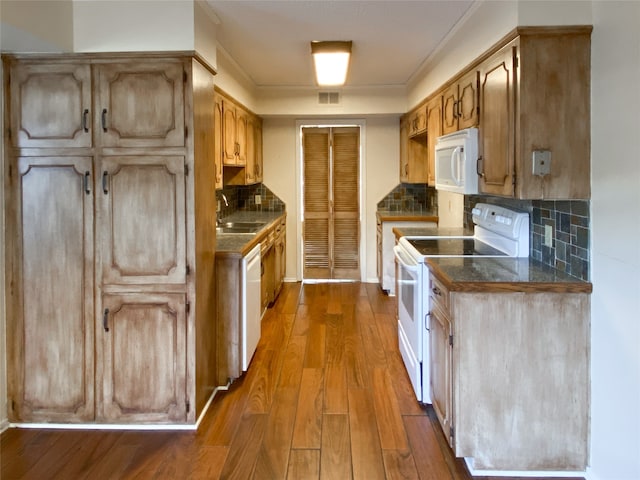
418,121
241,138
137,104
51,105
413,151
140,104
234,130
460,104
434,130
535,96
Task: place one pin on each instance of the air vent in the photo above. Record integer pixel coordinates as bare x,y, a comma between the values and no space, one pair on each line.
328,98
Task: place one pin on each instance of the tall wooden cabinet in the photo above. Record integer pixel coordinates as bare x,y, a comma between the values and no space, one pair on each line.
112,254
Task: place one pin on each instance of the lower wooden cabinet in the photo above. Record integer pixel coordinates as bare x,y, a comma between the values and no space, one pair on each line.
510,377
143,358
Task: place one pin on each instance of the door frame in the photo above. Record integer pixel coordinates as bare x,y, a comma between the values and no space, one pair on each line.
362,214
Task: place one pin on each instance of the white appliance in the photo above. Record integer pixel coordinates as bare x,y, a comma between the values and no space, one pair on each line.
498,232
251,315
456,159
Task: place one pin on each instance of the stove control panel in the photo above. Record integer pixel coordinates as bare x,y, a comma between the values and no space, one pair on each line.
501,220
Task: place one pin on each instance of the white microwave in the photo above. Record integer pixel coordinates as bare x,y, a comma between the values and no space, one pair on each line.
456,158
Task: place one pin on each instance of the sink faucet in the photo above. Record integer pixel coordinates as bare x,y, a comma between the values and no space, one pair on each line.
226,204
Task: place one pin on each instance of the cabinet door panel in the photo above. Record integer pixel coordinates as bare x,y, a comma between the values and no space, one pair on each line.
242,136
144,353
468,101
51,105
229,132
497,123
440,366
140,104
450,109
143,220
53,337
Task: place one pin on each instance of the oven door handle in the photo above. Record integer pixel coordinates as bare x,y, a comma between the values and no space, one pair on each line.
404,260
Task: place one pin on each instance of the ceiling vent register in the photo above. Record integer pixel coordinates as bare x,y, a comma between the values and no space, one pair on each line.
328,98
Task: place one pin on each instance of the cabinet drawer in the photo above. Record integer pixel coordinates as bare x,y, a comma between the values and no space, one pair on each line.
439,294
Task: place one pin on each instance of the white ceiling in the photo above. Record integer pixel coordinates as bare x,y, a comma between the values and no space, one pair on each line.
270,39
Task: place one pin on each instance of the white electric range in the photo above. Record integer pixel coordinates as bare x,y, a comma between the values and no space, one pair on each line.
498,232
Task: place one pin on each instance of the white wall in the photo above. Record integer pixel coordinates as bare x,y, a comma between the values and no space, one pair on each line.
36,26
132,25
615,243
381,176
353,101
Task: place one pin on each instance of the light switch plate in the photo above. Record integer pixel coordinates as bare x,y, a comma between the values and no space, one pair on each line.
541,162
258,200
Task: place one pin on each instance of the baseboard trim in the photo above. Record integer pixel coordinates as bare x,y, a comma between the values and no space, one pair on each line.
520,473
119,426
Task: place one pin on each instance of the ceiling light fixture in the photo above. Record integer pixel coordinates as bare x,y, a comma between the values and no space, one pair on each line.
331,60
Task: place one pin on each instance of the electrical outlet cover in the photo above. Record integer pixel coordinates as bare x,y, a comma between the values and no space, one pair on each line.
541,162
258,200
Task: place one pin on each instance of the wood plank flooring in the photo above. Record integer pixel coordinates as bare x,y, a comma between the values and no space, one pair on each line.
326,397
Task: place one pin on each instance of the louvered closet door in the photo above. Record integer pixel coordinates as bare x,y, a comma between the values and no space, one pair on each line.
331,207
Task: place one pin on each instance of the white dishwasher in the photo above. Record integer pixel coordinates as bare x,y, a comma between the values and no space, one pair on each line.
250,305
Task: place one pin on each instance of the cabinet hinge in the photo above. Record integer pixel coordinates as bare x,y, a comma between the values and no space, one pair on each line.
187,405
451,432
184,77
186,132
186,169
188,269
9,133
513,179
187,307
516,62
451,340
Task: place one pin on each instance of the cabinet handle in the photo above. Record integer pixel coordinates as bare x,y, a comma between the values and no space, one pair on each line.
104,119
436,291
105,320
105,181
87,189
455,109
478,171
85,124
459,107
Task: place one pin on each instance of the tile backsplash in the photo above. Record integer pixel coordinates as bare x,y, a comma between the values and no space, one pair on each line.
569,221
409,197
244,198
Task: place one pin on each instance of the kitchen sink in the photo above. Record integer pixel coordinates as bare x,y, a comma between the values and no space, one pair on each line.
239,227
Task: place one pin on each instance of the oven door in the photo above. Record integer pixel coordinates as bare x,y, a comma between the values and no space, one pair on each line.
410,336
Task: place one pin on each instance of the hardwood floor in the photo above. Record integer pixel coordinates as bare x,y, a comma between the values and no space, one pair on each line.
326,397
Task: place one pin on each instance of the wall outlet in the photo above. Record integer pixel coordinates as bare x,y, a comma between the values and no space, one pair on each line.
258,199
548,236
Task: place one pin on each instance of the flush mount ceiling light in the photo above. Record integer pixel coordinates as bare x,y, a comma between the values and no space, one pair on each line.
331,60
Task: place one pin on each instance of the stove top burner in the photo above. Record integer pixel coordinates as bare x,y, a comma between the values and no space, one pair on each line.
453,247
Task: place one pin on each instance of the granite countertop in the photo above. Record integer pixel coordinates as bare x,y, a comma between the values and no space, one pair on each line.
482,274
242,243
407,216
